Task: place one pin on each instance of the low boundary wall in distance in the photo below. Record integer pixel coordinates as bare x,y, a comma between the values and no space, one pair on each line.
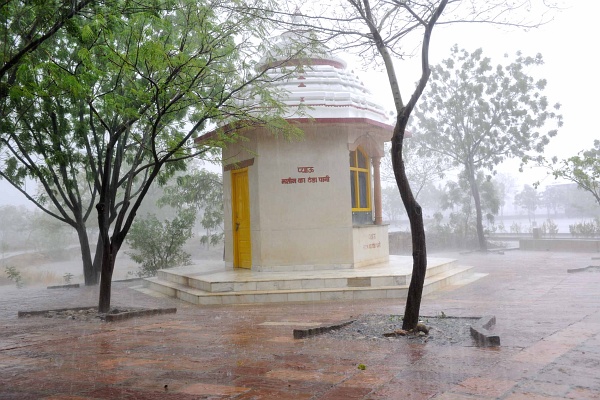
575,245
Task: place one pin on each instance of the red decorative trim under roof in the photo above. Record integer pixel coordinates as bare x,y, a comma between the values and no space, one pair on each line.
231,127
314,105
349,120
304,61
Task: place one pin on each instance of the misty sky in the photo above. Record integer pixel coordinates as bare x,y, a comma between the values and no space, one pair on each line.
569,47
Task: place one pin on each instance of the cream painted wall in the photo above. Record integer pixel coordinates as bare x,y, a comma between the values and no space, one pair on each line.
371,245
304,223
301,225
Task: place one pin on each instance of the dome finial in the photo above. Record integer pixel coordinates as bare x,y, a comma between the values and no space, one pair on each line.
297,16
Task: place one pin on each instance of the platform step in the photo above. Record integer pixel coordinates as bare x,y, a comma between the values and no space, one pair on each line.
246,280
197,296
278,295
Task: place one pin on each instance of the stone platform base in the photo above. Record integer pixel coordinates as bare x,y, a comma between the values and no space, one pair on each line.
213,283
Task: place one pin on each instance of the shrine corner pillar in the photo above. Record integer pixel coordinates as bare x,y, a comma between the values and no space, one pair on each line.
376,161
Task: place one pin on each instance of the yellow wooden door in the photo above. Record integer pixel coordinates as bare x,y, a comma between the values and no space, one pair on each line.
240,197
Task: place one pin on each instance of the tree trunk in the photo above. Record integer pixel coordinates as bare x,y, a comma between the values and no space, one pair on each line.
417,228
419,253
109,255
470,170
97,262
413,209
90,276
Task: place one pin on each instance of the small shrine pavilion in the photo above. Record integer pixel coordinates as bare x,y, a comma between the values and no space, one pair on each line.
303,216
313,203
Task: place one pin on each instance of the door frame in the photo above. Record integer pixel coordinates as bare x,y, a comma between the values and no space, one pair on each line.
235,188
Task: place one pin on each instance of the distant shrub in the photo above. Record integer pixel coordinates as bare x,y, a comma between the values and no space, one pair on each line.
501,228
549,228
516,227
14,276
453,234
586,229
68,277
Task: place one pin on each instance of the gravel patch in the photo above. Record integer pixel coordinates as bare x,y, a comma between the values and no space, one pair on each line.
443,330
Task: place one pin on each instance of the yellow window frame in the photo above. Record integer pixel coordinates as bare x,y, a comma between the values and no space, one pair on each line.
355,172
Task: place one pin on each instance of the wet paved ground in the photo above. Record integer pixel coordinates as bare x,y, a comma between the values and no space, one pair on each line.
548,320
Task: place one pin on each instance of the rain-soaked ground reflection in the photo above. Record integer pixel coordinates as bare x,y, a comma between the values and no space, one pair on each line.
249,351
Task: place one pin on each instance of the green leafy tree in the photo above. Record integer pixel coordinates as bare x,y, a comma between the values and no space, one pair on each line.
477,115
582,169
47,80
33,34
553,198
567,198
529,200
158,245
198,74
119,96
458,200
200,190
24,27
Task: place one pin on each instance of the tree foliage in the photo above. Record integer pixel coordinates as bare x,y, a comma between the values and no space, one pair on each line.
202,191
421,170
34,35
567,199
158,245
477,115
529,200
582,169
118,97
25,26
458,200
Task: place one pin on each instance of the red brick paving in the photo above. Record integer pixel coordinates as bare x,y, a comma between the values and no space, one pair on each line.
548,321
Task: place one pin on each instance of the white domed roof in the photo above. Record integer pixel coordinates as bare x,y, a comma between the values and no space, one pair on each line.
329,90
325,87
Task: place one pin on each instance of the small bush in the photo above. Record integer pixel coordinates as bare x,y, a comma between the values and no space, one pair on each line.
68,277
501,228
586,229
14,276
549,228
158,245
516,227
